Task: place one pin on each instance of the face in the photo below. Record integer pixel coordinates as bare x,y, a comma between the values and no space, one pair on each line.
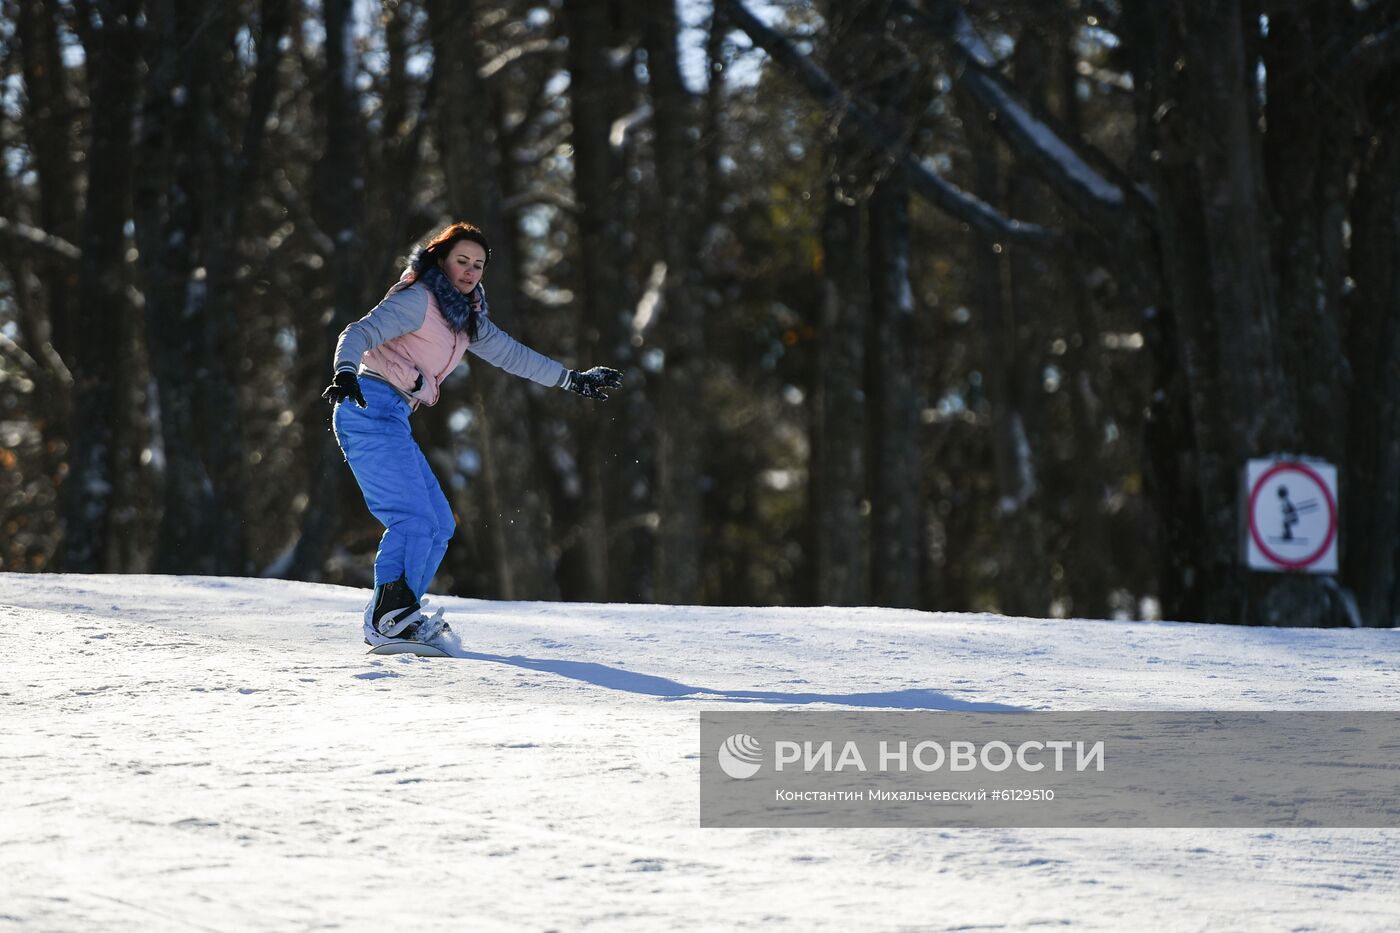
464,265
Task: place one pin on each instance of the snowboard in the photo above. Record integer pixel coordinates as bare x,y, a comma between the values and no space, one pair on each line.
403,646
422,647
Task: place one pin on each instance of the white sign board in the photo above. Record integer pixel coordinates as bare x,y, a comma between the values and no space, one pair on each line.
1291,515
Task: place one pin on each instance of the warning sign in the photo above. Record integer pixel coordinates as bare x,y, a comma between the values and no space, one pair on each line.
1292,516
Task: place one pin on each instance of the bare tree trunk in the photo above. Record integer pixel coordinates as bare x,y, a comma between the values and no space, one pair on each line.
837,485
680,332
1218,270
112,51
1308,139
603,440
232,175
871,55
1088,576
166,222
516,516
47,314
1021,580
222,186
893,400
1371,499
189,219
48,126
1176,515
1037,292
340,184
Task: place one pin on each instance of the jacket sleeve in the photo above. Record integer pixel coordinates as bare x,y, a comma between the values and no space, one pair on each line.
500,349
400,313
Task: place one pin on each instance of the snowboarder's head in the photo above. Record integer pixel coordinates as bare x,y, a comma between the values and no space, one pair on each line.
460,250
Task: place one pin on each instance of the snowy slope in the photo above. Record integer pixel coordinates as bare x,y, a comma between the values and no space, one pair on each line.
220,754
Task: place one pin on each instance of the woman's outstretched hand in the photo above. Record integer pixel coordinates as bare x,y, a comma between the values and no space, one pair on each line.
591,382
344,386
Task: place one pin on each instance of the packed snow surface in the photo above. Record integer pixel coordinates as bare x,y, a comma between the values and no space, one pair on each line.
185,753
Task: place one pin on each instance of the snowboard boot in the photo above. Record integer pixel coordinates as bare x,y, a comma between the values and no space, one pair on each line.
395,612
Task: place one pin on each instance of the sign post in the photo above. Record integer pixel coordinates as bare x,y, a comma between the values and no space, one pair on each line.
1291,516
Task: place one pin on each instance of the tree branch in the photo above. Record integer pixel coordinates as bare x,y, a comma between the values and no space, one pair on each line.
56,371
1368,58
1106,204
274,21
536,102
938,191
40,240
301,215
26,364
523,199
517,52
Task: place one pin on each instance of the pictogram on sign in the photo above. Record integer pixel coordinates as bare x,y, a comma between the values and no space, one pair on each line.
1291,516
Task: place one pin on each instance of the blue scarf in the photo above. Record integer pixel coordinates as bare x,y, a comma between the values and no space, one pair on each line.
463,312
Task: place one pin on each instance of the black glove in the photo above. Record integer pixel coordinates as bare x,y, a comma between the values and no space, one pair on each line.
591,382
344,386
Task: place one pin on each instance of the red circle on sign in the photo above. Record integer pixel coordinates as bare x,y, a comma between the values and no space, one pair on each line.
1279,559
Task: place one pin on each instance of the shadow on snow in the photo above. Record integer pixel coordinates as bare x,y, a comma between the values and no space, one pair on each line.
613,678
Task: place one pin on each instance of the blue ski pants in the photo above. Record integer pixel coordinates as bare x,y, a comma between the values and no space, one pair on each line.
398,485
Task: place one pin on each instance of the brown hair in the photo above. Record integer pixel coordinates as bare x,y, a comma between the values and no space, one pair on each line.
442,242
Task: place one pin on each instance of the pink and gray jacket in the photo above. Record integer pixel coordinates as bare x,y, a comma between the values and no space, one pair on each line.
406,341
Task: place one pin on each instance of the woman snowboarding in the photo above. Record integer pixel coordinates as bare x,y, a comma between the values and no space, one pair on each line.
387,364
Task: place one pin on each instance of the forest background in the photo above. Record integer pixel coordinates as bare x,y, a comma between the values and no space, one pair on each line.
949,305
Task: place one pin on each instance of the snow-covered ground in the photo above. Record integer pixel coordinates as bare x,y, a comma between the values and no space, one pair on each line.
220,754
